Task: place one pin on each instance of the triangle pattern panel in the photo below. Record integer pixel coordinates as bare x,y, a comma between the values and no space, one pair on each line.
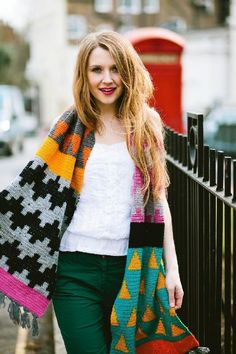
133,318
161,281
142,287
148,315
135,262
121,345
114,320
126,304
152,260
124,292
172,311
161,328
140,334
176,331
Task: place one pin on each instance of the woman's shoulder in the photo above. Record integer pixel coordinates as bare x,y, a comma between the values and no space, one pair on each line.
154,117
68,123
68,116
152,112
156,125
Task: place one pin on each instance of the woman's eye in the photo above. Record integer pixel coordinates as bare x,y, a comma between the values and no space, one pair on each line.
115,70
96,69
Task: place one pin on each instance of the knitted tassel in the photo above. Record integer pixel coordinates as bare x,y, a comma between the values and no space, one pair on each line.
21,318
2,300
14,312
35,327
25,319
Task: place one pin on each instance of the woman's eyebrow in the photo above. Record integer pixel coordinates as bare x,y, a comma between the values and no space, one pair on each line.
99,66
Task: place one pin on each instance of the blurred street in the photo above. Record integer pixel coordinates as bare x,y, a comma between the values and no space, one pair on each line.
12,165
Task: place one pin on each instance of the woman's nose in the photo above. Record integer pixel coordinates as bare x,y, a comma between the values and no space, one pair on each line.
107,77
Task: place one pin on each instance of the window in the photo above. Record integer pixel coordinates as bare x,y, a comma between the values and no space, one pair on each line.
104,27
76,27
132,7
103,6
208,5
151,6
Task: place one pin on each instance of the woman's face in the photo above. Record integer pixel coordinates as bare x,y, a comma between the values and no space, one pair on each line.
103,78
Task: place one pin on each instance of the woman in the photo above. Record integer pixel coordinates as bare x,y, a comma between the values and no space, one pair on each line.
95,195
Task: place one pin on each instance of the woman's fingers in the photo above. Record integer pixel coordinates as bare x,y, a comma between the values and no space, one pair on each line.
171,293
175,297
175,290
178,297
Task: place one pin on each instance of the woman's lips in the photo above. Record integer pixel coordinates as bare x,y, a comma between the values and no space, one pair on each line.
107,91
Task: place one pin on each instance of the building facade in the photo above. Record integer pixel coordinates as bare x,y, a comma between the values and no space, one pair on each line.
84,16
57,27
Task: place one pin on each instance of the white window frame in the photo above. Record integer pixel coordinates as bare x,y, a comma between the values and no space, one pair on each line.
76,27
151,6
103,6
131,7
208,4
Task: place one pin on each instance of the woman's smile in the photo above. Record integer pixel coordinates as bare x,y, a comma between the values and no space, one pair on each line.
107,91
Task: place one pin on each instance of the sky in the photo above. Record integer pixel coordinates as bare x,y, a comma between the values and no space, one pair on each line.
14,12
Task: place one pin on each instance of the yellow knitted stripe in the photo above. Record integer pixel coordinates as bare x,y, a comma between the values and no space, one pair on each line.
59,163
77,179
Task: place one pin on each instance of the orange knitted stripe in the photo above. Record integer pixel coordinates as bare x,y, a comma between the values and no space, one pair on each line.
59,163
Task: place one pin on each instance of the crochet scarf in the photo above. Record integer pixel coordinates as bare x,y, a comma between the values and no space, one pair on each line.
35,210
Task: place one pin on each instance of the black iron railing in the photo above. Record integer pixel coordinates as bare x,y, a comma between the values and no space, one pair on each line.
202,198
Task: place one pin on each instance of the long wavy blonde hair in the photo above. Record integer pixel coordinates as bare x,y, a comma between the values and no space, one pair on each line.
142,124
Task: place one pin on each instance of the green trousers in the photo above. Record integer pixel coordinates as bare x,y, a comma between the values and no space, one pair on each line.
86,288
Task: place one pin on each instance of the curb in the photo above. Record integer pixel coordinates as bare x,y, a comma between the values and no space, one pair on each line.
58,341
21,341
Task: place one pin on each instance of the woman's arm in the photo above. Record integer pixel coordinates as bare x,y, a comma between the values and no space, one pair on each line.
173,283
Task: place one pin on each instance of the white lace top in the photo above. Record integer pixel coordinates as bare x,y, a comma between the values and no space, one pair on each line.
101,222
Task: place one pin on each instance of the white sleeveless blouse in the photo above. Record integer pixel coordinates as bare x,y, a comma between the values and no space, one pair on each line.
101,221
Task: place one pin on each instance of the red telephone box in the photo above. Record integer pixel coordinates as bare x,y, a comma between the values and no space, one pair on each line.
160,51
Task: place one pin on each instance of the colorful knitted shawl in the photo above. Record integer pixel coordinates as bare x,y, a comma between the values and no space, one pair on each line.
35,210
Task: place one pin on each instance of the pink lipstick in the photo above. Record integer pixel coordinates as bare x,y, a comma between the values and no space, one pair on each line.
107,91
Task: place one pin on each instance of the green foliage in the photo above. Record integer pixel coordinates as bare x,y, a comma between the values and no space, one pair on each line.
14,54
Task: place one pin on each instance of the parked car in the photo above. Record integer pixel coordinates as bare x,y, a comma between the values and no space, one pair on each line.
220,129
12,114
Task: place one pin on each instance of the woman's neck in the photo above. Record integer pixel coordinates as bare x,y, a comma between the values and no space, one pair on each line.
107,113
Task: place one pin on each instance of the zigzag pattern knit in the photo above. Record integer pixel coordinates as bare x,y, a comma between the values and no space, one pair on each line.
35,210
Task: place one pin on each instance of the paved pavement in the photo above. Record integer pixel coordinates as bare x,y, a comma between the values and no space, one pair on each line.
58,341
8,333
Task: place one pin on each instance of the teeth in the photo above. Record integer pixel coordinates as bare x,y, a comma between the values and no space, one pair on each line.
107,90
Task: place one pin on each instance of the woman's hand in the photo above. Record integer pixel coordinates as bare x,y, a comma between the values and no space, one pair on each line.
174,288
173,283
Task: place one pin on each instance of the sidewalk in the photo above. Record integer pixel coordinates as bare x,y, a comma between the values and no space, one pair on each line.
58,341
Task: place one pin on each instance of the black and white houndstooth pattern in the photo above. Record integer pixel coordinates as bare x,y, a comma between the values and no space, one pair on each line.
34,210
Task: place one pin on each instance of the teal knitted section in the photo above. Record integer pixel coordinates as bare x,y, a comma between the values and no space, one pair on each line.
123,318
141,274
141,312
148,318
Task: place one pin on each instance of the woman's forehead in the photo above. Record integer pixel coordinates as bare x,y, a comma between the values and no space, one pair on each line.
100,56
